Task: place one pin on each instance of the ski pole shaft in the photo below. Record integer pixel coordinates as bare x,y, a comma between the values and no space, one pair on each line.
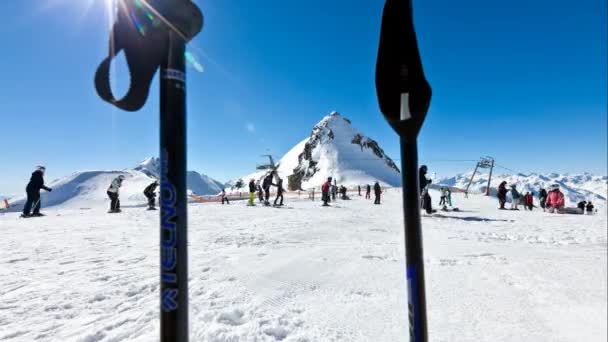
173,199
413,241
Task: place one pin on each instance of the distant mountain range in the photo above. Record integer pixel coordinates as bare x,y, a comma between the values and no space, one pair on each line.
576,187
87,189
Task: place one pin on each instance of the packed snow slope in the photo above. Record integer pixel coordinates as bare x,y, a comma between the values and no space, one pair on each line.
307,273
334,149
88,189
576,188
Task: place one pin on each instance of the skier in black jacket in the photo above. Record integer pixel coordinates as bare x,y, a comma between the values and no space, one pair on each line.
33,192
266,186
280,191
150,193
377,193
368,190
424,191
251,192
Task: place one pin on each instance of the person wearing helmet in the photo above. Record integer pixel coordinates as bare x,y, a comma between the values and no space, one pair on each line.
33,192
251,192
555,200
150,193
114,195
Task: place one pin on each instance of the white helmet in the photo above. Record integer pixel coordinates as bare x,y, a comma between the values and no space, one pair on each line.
555,186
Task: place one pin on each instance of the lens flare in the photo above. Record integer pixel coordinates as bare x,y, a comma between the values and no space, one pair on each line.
193,61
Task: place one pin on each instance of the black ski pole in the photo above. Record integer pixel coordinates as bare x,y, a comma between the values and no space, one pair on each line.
153,34
173,196
404,96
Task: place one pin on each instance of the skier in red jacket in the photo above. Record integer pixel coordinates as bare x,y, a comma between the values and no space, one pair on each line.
555,200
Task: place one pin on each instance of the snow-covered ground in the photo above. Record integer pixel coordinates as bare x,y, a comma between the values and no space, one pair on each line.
306,273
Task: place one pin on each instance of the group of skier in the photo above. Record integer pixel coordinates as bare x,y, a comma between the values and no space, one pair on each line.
552,201
262,188
329,191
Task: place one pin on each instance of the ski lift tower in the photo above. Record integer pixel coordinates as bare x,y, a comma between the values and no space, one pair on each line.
483,163
270,166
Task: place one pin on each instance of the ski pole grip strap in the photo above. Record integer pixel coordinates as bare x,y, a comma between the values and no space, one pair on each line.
139,88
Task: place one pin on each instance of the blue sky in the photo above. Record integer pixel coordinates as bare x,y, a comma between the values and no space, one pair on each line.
524,81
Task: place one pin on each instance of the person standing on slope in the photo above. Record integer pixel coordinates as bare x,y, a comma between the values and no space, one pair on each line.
325,192
359,190
224,197
368,191
515,196
113,194
555,199
280,191
529,201
150,193
266,184
33,192
443,198
251,192
502,194
449,196
424,190
542,197
377,193
260,191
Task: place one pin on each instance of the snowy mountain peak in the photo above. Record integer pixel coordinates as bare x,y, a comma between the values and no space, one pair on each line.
149,166
334,149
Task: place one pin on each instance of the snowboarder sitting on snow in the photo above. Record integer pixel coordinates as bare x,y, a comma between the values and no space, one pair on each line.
424,193
325,192
581,206
542,197
113,194
377,193
280,191
251,192
502,194
33,192
150,193
555,199
368,191
266,184
515,196
224,197
589,207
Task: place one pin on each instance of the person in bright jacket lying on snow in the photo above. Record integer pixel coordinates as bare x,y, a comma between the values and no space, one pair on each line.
555,199
33,192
